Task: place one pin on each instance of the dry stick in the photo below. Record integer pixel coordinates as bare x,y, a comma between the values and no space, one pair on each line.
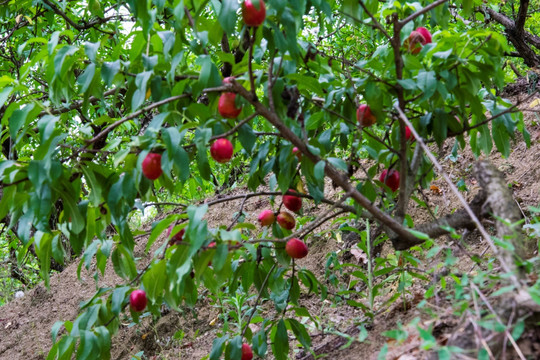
454,189
506,332
339,177
145,205
508,324
478,332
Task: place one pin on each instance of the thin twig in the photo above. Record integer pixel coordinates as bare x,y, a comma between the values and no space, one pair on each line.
114,125
240,212
431,6
258,298
506,332
250,60
375,21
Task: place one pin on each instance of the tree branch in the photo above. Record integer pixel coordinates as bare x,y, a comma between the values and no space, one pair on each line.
337,176
521,16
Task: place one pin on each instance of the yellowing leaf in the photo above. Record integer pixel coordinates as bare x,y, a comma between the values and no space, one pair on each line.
534,103
300,187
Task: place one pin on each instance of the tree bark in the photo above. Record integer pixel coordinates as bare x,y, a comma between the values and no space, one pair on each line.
516,34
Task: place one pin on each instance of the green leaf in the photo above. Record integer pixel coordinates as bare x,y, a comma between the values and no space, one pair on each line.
202,136
87,346
167,37
227,15
123,263
338,163
247,137
427,82
217,347
4,94
109,71
419,234
63,349
86,320
43,244
117,299
307,84
280,341
58,251
209,75
77,220
86,77
234,349
18,120
91,49
158,229
301,333
139,96
103,342
55,328
220,257
260,342
440,127
408,84
154,280
501,138
318,170
60,57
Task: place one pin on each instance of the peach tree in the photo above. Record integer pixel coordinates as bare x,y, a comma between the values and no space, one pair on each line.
90,89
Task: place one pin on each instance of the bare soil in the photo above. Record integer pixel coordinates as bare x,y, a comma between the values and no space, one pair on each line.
25,323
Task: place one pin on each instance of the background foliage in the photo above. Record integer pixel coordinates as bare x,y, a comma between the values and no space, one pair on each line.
88,89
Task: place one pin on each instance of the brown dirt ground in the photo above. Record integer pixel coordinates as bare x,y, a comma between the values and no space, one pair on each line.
25,323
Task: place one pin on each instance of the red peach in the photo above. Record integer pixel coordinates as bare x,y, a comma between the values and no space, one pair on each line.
252,13
390,179
364,116
221,150
296,248
286,220
267,217
137,300
151,166
291,202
